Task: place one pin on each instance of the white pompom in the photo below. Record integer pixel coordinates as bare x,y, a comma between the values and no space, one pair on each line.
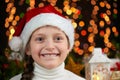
15,43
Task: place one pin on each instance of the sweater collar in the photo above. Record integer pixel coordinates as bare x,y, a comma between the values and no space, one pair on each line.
41,72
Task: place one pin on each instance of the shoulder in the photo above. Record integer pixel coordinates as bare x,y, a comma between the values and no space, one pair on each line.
73,76
17,77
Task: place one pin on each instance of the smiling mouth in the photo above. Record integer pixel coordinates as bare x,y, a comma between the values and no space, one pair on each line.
50,55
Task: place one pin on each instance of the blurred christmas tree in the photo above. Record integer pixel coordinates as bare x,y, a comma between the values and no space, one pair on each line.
9,68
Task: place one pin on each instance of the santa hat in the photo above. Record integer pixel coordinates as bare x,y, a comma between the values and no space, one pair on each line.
36,18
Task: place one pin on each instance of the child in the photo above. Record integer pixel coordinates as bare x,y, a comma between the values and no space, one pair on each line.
45,38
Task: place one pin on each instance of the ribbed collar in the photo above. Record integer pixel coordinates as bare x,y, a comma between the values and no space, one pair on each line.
46,74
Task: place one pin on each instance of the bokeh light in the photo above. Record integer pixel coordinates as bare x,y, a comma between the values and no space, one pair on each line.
94,20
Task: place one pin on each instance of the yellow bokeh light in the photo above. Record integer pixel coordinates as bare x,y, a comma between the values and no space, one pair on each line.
14,22
95,31
90,29
93,2
32,3
107,18
101,23
108,12
104,14
7,9
76,49
69,12
67,7
102,4
108,31
17,18
66,2
109,44
11,27
10,5
6,24
80,52
94,12
41,4
106,50
92,22
75,16
81,23
10,18
90,49
90,39
12,31
108,6
78,12
114,29
106,40
10,37
74,24
106,36
13,10
77,43
6,1
77,35
96,8
73,9
6,20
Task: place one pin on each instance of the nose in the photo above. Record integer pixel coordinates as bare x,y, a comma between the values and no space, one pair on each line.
50,45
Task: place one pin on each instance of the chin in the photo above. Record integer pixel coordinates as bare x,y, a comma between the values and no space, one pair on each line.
51,66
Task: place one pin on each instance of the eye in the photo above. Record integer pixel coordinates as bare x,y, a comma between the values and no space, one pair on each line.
58,38
40,39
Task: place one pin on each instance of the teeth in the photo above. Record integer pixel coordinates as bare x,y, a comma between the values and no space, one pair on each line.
49,55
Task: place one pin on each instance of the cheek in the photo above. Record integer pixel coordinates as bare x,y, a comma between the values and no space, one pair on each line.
64,50
35,49
65,47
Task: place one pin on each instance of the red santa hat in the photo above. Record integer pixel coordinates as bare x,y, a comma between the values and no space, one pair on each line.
36,18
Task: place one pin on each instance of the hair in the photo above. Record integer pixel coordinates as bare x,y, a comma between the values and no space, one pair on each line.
28,69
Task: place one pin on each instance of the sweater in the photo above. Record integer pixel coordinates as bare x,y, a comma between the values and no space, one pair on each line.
59,73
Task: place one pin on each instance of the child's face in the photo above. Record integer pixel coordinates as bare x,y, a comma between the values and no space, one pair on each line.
48,47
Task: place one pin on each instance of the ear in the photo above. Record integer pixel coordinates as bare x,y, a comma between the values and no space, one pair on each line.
27,51
68,51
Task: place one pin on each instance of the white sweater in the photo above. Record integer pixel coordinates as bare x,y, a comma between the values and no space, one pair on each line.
58,73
